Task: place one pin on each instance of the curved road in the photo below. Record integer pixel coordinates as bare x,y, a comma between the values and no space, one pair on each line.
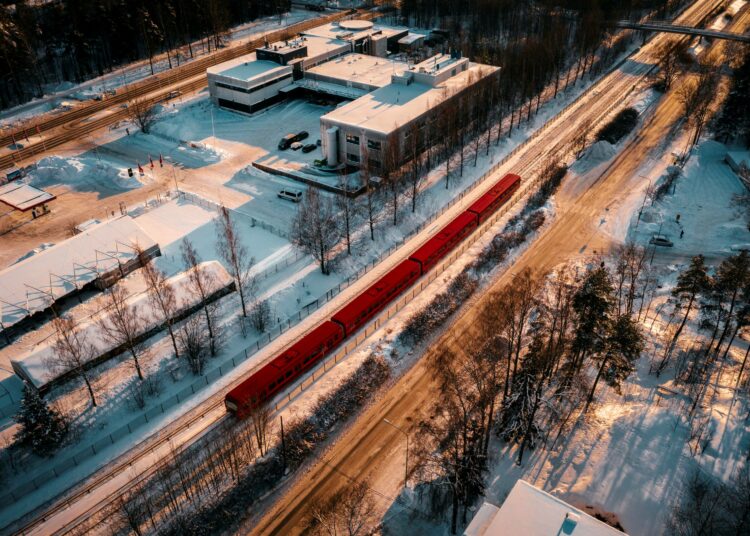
373,451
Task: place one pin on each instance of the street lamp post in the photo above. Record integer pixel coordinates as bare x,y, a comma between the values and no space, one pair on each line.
406,464
645,195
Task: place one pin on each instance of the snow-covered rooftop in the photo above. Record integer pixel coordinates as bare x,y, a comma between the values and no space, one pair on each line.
37,364
411,38
533,512
246,68
370,70
31,284
21,196
392,106
348,31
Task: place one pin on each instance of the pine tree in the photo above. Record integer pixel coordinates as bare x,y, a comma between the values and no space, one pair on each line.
592,303
690,284
42,428
734,123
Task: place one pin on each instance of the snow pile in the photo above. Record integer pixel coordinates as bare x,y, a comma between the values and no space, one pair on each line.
599,152
82,173
37,365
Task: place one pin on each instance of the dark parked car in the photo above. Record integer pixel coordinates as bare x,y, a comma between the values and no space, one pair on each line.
310,147
286,141
289,139
661,240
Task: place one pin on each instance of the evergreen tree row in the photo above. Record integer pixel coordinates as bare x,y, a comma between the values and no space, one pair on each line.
50,42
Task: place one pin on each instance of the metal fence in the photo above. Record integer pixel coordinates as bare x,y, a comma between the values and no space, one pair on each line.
230,363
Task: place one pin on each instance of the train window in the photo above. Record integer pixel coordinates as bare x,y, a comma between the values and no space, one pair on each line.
270,385
289,373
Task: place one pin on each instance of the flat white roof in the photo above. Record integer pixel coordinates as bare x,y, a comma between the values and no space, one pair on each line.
31,284
246,68
36,364
533,512
21,196
370,70
390,107
410,39
333,30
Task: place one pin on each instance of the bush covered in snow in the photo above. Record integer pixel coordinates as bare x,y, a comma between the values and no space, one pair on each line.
426,321
552,177
301,439
620,126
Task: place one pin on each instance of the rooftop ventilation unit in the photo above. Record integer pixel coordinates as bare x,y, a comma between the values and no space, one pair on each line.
570,523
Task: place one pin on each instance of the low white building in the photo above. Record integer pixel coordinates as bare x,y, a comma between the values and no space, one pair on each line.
251,82
407,105
391,99
529,511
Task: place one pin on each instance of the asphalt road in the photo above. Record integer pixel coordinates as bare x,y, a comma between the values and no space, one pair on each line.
373,451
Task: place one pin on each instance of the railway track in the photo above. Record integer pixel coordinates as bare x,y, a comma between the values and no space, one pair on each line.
187,78
525,162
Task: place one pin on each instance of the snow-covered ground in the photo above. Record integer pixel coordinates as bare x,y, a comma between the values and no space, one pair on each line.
234,141
66,94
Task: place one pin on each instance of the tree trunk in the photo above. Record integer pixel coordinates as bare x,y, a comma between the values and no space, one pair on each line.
593,387
90,389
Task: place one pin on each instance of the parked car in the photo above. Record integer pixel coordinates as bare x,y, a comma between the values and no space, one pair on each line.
310,147
290,194
286,141
302,135
296,146
661,240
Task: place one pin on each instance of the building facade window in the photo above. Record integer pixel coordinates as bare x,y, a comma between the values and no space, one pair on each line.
372,144
254,88
351,138
352,157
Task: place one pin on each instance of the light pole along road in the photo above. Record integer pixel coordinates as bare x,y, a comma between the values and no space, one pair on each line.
367,451
558,135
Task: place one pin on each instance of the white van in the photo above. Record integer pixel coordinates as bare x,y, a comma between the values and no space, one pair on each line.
292,195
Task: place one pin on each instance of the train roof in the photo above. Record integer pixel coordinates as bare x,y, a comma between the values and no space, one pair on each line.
446,233
481,204
349,314
270,370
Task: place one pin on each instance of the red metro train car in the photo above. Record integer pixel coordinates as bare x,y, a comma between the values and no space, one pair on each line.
307,351
282,370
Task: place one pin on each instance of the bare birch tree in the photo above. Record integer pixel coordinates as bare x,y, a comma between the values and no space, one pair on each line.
348,512
122,323
162,298
73,352
315,228
202,284
142,113
235,255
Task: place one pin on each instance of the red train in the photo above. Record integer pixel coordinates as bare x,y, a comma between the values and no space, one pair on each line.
322,340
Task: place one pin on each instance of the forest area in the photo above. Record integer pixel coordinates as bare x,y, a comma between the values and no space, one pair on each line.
45,43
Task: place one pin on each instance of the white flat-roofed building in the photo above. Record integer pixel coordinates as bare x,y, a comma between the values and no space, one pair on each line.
364,35
529,511
251,82
356,71
246,84
97,256
412,99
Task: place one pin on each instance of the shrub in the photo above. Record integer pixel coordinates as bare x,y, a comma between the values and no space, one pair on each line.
620,126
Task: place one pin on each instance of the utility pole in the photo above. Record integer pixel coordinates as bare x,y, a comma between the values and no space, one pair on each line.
283,443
